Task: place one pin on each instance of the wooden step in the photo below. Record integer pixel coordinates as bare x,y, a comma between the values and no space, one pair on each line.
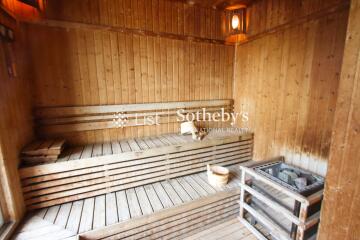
176,222
45,151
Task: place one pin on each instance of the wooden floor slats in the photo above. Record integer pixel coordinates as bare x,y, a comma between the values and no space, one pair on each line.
120,207
128,164
41,229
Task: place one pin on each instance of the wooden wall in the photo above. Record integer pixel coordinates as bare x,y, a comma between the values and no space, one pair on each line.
15,123
340,218
82,66
286,77
276,13
153,15
287,80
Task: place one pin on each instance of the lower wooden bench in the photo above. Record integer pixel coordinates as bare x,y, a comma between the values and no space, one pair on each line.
90,171
167,209
177,222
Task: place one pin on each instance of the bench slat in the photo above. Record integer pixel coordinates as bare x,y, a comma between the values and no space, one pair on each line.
73,111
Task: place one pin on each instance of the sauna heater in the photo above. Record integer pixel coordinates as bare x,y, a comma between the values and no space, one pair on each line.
295,179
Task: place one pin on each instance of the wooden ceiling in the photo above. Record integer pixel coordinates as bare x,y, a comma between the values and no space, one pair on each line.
218,4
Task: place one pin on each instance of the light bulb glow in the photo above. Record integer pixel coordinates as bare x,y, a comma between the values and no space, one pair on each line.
235,21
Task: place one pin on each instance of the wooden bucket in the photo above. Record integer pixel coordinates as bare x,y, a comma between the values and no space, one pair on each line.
217,175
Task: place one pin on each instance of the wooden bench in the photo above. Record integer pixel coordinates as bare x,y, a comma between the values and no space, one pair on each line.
176,222
100,168
97,169
169,209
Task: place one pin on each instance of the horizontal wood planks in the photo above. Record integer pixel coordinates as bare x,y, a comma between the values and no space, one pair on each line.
77,178
58,112
287,82
178,223
59,120
171,223
232,229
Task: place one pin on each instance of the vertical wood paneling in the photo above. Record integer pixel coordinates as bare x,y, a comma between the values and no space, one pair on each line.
340,217
277,12
15,123
287,83
85,67
165,16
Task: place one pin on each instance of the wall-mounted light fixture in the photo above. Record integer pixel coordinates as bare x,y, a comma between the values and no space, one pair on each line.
237,21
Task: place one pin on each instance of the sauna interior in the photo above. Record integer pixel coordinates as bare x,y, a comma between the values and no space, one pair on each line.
180,119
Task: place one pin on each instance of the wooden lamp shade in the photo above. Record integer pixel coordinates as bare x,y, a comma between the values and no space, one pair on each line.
237,21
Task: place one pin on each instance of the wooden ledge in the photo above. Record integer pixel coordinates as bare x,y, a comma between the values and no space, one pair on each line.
100,27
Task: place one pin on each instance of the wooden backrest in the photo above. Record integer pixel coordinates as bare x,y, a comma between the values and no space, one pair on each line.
55,120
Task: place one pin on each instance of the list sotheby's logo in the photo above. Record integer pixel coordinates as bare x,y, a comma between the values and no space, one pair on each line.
121,120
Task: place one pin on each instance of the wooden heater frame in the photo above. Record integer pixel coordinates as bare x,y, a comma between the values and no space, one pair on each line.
303,221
